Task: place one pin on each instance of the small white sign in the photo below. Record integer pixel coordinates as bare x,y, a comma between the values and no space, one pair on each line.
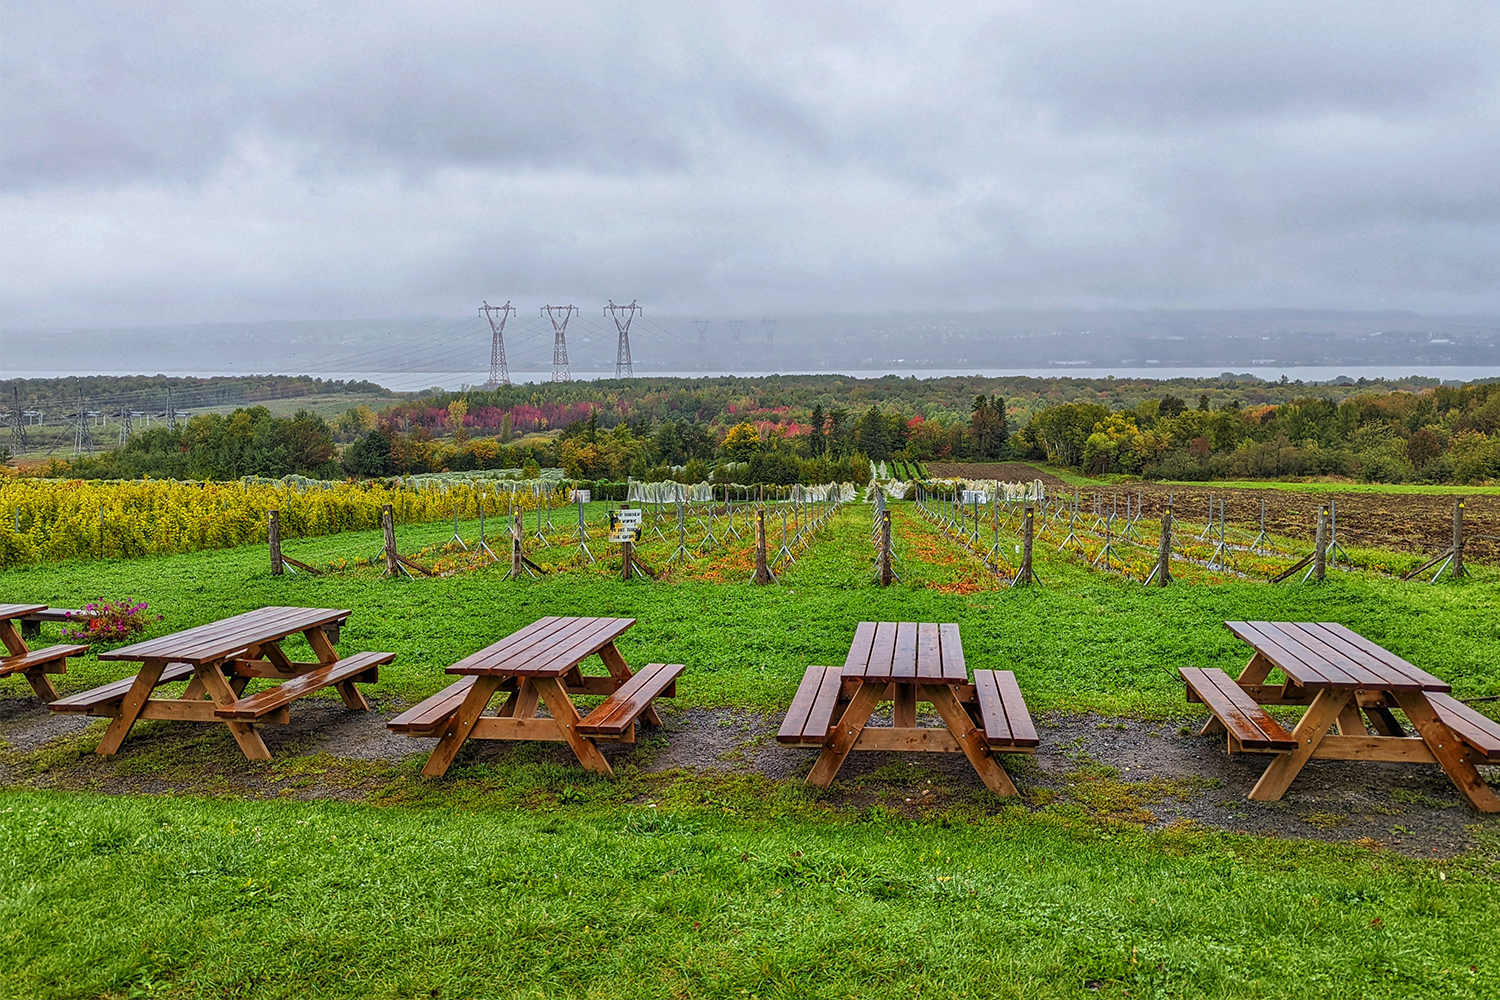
628,517
623,535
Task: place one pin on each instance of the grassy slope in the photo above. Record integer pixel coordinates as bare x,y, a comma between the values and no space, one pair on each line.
759,894
1073,478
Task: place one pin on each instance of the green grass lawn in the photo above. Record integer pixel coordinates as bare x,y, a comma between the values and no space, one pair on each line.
550,882
757,894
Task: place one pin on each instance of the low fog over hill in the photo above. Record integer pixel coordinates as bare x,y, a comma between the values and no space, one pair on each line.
1018,339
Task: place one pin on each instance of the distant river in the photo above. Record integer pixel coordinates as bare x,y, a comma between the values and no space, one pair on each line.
412,381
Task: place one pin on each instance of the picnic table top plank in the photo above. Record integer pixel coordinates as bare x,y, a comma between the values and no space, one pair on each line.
929,652
1384,656
1270,646
12,611
216,640
549,651
511,645
904,651
1336,668
1330,655
882,651
859,649
954,667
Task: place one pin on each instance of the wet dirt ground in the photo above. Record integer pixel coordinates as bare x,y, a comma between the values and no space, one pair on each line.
1154,773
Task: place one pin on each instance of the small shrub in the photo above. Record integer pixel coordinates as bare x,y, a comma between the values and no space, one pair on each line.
107,621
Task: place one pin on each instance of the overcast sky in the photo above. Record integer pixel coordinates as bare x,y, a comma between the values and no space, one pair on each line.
182,162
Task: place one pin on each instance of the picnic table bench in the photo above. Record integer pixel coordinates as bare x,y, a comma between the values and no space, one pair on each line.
538,667
1348,684
219,660
905,663
33,664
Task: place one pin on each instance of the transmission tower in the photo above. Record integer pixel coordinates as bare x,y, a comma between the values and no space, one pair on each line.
769,322
83,437
125,424
18,424
499,370
171,411
560,372
624,368
702,325
734,330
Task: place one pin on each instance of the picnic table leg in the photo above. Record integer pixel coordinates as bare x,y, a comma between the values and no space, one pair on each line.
1383,721
460,725
1321,714
975,748
845,732
1448,750
131,705
904,711
620,671
1351,722
226,691
41,685
323,649
555,697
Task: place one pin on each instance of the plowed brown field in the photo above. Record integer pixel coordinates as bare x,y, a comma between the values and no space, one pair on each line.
1402,522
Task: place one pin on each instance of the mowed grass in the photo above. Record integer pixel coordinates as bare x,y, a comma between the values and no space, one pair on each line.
1085,641
755,894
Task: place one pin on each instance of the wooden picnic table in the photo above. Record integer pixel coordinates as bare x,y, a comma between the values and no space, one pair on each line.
33,664
538,667
905,663
1348,684
219,660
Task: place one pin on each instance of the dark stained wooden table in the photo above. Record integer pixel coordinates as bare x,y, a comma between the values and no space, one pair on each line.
1344,681
905,663
538,667
219,660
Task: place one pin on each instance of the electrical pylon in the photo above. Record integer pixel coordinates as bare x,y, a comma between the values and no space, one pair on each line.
702,325
624,367
83,437
499,370
769,322
560,372
734,333
18,423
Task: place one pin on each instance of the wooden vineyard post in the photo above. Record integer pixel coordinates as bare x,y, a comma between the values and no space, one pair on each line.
1320,547
516,565
763,573
388,522
1164,551
1458,541
1028,535
628,550
885,549
273,539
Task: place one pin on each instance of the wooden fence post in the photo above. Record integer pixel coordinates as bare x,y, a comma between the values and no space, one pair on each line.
762,571
885,549
1028,534
516,556
627,549
1320,546
1164,552
388,522
1458,540
273,538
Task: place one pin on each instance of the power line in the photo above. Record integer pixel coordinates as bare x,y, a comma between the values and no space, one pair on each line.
624,368
560,372
499,370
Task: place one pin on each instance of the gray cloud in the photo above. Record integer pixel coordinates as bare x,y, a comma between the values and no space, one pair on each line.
173,163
